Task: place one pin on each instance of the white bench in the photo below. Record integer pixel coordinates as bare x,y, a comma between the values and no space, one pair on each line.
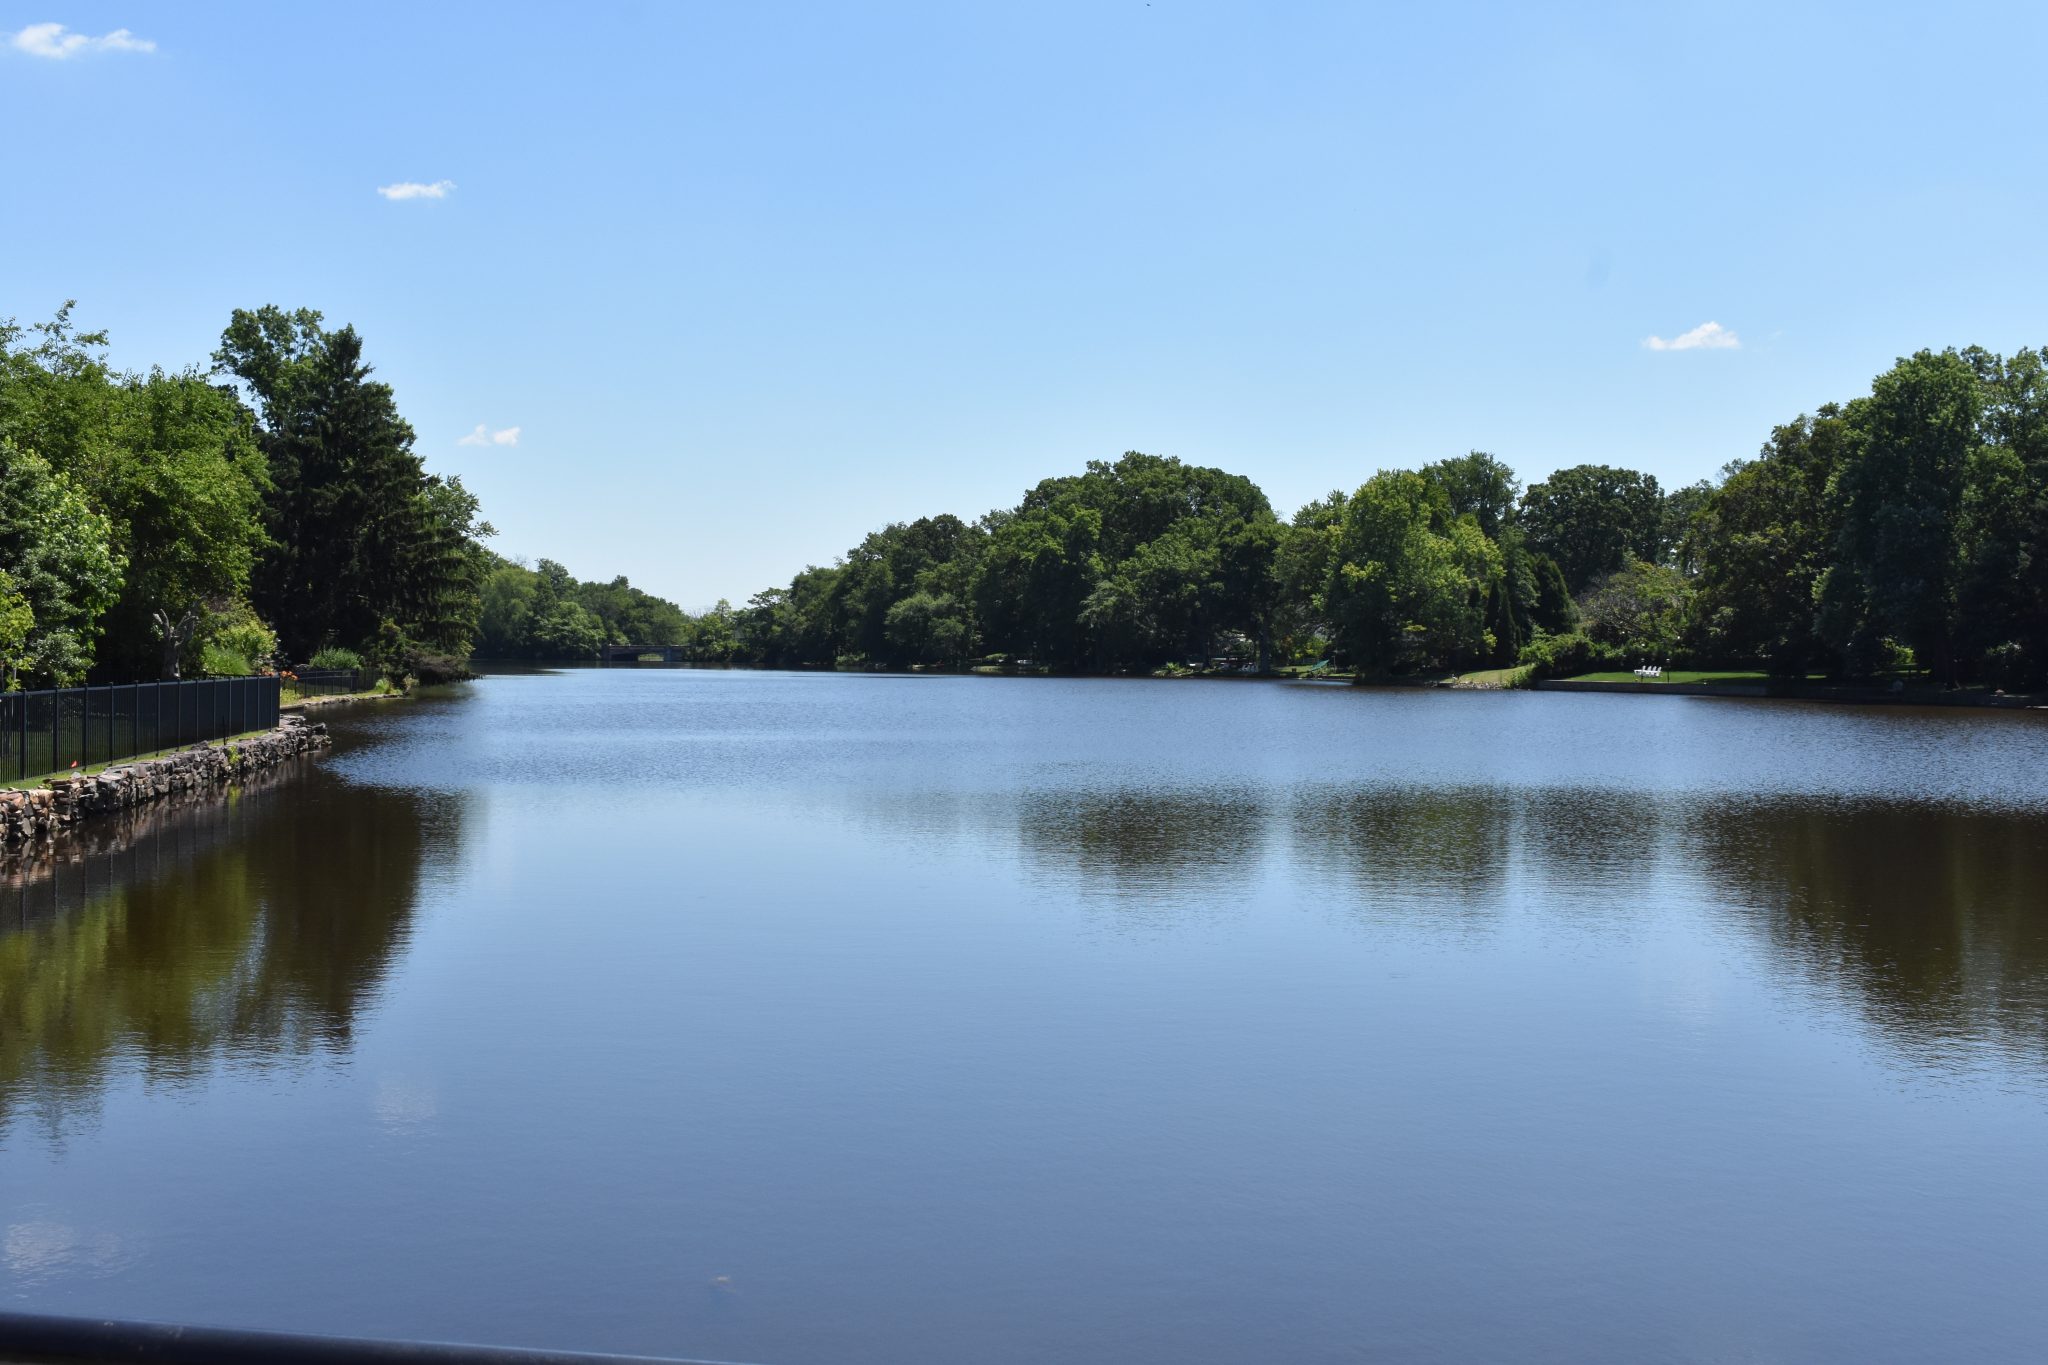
1648,674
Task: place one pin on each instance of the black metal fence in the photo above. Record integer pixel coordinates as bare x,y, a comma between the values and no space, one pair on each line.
328,682
50,732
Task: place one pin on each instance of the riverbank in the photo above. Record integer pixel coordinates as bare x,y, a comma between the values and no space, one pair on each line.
1483,680
28,817
1802,691
315,703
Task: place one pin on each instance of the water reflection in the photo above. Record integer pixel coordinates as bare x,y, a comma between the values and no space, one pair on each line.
1145,839
1932,917
811,1018
250,928
1932,920
1406,841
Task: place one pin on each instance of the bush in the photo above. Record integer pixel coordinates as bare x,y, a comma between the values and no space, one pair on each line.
1565,656
2009,668
230,641
334,656
216,660
250,639
428,666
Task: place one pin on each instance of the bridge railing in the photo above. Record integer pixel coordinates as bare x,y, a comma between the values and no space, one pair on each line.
30,1339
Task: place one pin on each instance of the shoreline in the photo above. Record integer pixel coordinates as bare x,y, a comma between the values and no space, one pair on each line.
1842,694
33,816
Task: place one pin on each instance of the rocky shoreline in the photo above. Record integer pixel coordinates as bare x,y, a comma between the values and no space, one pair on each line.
62,803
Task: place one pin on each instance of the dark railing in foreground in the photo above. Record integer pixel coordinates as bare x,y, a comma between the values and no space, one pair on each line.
49,731
27,1339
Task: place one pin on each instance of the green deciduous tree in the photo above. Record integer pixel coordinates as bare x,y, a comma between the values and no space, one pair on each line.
56,551
170,460
1643,610
1478,484
17,623
1593,518
1410,582
1900,492
1762,542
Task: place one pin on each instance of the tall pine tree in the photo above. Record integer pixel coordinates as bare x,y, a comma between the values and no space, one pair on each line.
364,540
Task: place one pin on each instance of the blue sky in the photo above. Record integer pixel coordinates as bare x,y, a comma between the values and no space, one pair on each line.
751,280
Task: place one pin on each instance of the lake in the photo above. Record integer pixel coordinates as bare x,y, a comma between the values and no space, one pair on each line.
818,1018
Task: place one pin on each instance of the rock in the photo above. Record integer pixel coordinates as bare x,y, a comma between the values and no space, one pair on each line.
67,800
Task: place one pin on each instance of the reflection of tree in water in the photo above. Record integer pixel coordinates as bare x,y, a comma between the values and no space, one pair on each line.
1140,838
253,929
1936,917
1407,841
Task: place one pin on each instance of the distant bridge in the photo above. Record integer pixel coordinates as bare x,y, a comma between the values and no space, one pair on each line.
633,654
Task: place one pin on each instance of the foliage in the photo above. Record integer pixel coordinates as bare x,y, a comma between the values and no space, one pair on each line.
1762,541
56,551
335,657
1900,553
238,631
1641,610
141,516
169,460
544,613
1567,656
1592,518
17,622
929,628
165,520
427,666
217,660
359,533
1410,581
1479,485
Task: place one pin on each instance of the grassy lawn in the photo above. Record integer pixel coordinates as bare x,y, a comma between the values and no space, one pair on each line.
1690,675
1676,675
290,696
1492,677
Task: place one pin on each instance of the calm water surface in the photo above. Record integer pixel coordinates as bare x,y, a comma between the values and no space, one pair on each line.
817,1019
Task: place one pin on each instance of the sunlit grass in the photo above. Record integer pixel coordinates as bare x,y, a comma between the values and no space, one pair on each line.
1493,677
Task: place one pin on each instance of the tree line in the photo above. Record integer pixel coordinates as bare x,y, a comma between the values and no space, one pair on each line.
1905,530
269,507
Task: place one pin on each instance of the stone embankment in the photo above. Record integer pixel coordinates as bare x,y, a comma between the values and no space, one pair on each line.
62,803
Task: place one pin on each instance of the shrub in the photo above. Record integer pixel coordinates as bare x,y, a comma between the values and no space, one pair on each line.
2009,668
1564,656
230,640
249,638
429,666
334,656
1641,610
216,660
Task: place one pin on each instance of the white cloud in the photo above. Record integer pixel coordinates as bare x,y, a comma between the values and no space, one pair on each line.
57,42
484,436
414,189
1708,336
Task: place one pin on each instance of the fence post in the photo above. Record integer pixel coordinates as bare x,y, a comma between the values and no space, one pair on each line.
24,736
56,725
110,722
